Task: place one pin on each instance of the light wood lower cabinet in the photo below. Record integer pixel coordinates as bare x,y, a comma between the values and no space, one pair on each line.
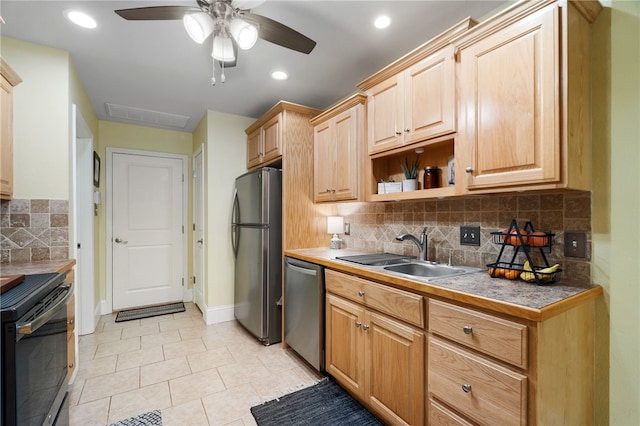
71,327
377,358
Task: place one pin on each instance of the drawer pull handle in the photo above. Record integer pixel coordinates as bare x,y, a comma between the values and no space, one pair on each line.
466,388
365,327
358,323
467,329
361,293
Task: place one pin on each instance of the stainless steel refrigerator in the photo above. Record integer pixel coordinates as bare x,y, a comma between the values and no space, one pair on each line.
256,234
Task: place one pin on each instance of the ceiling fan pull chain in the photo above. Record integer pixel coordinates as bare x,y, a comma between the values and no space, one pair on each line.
222,76
213,72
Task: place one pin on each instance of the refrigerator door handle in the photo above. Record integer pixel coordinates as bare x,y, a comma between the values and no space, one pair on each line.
235,232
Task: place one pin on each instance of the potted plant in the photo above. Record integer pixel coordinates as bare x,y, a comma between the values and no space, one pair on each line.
410,170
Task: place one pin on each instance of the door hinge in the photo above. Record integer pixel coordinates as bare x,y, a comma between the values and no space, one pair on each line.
183,229
182,282
194,174
194,226
194,279
183,177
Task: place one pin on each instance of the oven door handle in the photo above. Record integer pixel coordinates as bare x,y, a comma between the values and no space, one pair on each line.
36,323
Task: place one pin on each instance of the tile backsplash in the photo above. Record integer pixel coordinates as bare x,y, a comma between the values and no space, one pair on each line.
34,230
374,226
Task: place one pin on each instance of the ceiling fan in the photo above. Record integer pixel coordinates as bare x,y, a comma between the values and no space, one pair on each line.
230,22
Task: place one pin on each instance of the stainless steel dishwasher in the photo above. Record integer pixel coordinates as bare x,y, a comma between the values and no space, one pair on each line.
304,310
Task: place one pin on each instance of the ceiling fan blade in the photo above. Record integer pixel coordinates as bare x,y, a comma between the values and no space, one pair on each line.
155,13
277,33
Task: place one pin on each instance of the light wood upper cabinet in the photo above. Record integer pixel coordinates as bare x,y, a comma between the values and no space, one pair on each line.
524,108
8,81
264,144
413,105
338,133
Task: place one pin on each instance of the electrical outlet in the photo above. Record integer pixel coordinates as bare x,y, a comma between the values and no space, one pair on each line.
575,244
470,235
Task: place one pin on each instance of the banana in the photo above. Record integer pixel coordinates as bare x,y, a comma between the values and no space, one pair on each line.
546,274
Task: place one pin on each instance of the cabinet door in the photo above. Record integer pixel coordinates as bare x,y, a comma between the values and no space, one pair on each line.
385,115
324,155
429,97
254,149
71,337
395,370
6,139
344,343
272,138
509,120
346,155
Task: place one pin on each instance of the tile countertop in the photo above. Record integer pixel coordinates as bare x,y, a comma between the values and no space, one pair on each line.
512,297
41,267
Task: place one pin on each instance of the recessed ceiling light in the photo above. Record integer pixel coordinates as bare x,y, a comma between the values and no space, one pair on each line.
80,18
382,21
279,75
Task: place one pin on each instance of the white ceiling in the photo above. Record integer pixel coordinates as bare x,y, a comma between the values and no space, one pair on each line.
154,65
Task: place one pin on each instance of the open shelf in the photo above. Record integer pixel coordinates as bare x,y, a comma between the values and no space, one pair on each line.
386,166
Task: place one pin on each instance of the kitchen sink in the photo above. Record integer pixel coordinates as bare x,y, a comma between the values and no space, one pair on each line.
429,269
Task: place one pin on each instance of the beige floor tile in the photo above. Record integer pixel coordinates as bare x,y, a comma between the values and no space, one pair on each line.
141,330
230,405
282,383
96,367
195,386
93,413
239,373
275,358
163,371
121,346
110,384
183,348
86,352
210,359
217,338
191,413
193,332
75,390
249,420
140,357
180,323
247,349
160,339
97,338
120,325
157,319
145,399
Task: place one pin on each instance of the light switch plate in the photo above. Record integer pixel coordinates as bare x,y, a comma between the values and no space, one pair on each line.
575,244
469,235
347,228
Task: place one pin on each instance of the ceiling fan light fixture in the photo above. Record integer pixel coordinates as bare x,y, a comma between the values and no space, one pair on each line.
199,26
244,33
223,48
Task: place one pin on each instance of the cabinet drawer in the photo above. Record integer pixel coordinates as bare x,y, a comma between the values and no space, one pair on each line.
478,388
441,416
400,304
502,339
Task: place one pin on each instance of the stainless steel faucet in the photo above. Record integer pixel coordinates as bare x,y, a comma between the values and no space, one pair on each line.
421,243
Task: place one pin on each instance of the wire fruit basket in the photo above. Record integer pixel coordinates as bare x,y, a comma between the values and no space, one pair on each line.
524,240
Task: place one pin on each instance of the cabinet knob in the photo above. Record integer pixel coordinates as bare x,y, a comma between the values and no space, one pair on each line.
71,365
358,324
398,133
469,169
407,130
467,329
466,388
365,327
70,322
328,189
361,293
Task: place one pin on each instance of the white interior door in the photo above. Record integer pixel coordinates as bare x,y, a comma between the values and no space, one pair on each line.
147,243
198,228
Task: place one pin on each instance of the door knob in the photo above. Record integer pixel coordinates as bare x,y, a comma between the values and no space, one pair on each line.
120,241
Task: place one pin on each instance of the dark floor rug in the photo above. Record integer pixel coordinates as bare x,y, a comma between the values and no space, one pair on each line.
150,311
323,404
152,418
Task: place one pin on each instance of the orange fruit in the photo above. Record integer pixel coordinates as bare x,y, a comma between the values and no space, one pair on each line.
513,239
511,274
538,239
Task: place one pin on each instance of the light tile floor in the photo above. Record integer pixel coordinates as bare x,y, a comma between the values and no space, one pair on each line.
196,374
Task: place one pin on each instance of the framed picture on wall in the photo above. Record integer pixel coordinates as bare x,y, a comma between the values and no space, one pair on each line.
96,170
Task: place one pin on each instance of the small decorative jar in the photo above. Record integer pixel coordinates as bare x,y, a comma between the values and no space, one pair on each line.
431,177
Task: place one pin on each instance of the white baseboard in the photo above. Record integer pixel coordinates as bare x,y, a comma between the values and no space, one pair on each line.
218,314
97,312
104,308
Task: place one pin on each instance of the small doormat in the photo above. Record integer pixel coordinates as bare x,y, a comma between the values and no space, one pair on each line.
152,418
323,404
150,311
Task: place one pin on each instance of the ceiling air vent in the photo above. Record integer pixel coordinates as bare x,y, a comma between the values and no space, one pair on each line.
146,116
